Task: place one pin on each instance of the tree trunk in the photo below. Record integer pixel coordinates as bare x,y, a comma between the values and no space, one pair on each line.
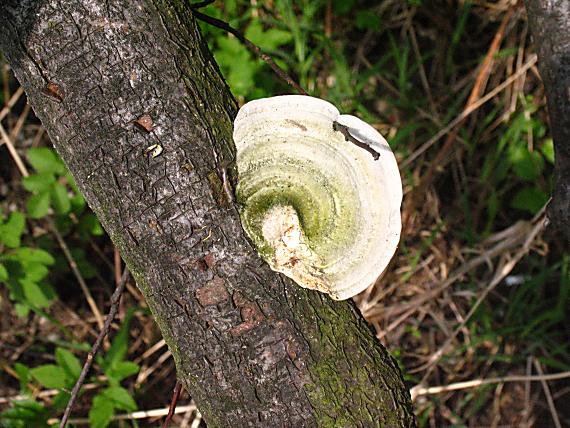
115,82
550,27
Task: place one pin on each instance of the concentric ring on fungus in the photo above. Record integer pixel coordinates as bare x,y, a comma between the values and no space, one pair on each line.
317,206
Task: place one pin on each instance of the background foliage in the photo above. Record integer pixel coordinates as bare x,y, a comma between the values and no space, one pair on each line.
476,290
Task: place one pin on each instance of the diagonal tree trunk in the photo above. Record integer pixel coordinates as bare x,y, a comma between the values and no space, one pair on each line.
136,107
550,26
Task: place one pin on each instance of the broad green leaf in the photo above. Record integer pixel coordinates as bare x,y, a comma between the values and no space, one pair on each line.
38,205
527,165
68,362
121,370
34,272
49,376
44,159
23,373
38,183
60,199
89,226
101,412
547,150
21,310
11,231
529,199
35,296
24,414
87,270
268,40
3,273
342,7
27,254
236,63
367,20
120,397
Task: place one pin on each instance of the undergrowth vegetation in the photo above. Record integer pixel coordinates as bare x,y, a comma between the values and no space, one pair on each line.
477,291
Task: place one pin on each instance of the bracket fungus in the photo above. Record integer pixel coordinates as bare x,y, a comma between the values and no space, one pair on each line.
319,193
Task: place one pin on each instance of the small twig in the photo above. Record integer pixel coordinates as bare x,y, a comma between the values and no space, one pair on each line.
548,395
139,414
11,102
115,299
172,408
419,390
73,265
252,47
15,156
349,137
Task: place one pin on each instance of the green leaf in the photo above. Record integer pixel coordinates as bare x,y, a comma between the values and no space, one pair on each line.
529,199
38,205
342,7
527,165
69,363
37,255
60,199
11,231
3,273
237,65
24,414
121,370
44,159
21,310
38,183
367,20
89,226
34,272
547,150
268,40
101,412
120,397
23,373
35,296
49,376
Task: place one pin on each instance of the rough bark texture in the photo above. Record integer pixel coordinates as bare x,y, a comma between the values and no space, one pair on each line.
550,28
252,348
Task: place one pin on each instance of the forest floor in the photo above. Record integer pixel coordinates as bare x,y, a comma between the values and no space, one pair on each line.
474,305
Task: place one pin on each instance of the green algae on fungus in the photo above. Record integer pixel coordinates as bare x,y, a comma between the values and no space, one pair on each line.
318,207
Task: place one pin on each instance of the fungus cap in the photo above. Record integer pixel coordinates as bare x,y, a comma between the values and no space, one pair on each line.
313,200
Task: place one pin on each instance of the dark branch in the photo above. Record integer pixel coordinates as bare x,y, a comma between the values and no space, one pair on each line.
252,47
349,137
115,299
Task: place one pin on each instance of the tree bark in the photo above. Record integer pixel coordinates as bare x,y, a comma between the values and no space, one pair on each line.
550,27
113,81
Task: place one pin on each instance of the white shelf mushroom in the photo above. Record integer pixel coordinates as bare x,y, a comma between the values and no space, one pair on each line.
315,198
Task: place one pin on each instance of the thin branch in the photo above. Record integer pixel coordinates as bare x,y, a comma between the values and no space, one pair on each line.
139,414
548,395
15,156
77,274
419,390
115,299
172,408
11,102
252,47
